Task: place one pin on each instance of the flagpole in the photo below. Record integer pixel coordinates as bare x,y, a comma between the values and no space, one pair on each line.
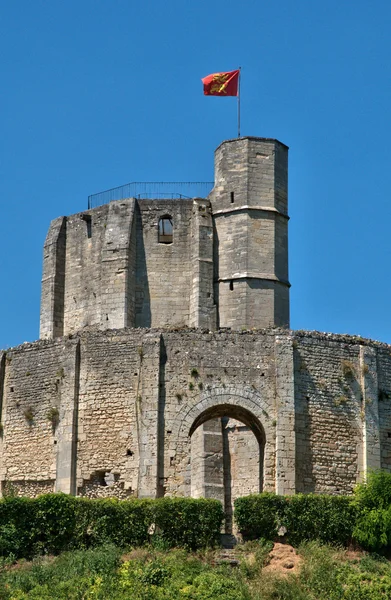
240,72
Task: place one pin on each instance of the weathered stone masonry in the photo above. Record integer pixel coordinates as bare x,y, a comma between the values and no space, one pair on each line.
129,401
166,365
227,265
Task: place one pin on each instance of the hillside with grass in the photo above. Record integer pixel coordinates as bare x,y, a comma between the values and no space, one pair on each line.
295,548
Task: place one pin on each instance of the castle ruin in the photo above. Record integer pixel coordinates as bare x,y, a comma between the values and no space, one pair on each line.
166,364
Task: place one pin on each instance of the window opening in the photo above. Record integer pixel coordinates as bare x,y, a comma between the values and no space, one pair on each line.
231,285
232,197
165,230
88,221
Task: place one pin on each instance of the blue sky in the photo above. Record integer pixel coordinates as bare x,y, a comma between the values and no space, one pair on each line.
95,94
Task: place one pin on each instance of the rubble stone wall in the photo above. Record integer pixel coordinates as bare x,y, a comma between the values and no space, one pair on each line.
115,412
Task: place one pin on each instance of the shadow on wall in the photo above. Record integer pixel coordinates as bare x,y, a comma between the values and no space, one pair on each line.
142,295
161,418
216,272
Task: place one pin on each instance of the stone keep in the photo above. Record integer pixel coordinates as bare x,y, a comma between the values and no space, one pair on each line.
227,265
166,365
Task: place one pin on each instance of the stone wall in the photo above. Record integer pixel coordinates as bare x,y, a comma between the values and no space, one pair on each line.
226,264
163,273
125,412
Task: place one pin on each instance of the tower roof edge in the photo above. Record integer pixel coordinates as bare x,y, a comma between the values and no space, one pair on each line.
252,138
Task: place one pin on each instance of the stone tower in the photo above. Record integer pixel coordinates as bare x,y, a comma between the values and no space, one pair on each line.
224,262
249,207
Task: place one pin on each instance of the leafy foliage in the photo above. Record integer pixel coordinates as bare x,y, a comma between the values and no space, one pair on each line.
329,519
259,515
187,522
145,574
373,501
364,517
54,523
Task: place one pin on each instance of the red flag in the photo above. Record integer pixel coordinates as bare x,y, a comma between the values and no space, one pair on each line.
221,84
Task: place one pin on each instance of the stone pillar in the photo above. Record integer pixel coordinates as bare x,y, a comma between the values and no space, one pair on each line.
118,266
207,468
202,307
53,281
147,414
371,434
285,410
68,415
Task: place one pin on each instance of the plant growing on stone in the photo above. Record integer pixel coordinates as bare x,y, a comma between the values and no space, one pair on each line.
348,369
194,373
191,385
60,373
340,400
322,384
53,416
28,414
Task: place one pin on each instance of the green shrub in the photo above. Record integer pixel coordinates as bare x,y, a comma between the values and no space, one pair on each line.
186,522
373,529
18,533
54,523
373,503
328,519
111,521
259,515
375,492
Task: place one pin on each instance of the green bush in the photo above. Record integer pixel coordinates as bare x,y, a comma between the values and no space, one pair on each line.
186,522
373,504
259,515
55,523
18,530
375,492
373,529
111,521
329,519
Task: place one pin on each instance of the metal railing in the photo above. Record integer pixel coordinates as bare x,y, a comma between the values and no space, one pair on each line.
152,190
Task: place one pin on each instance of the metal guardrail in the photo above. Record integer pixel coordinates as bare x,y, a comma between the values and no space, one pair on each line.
152,190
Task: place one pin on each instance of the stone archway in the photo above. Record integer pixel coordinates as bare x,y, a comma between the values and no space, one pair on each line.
226,456
245,404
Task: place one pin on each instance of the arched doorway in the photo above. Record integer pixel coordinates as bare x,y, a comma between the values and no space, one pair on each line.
227,455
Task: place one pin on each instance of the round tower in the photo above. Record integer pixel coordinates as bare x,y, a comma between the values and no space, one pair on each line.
250,213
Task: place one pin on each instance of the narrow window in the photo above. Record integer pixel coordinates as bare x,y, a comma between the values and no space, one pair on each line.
231,285
232,197
165,230
87,219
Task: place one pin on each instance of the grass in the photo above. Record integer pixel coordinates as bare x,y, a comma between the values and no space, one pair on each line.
148,574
